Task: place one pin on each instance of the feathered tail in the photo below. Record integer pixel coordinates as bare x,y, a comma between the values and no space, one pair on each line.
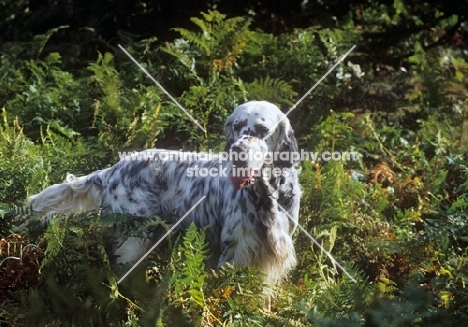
77,194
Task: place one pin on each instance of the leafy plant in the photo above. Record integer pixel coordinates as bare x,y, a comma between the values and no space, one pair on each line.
22,170
394,218
189,277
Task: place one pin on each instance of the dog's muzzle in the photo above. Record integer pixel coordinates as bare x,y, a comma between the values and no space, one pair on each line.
247,156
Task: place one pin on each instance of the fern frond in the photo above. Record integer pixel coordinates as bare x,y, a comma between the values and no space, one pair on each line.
198,39
55,236
271,89
188,279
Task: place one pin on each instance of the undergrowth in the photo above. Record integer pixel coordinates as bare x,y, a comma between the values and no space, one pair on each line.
395,218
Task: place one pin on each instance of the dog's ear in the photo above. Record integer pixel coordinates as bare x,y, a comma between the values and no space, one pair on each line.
229,133
287,153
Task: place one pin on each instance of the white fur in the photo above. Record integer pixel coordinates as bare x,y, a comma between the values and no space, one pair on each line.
246,226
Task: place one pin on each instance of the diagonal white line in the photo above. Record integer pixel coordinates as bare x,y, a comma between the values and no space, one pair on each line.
316,243
311,89
162,88
161,239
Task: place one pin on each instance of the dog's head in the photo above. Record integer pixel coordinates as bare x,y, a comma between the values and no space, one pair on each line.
259,137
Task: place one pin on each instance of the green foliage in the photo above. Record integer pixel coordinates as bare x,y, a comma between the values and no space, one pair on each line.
77,285
271,89
334,133
209,60
22,170
46,94
227,297
219,44
236,296
189,278
107,79
395,218
124,114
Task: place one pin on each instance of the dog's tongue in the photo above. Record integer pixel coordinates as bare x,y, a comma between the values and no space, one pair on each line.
239,181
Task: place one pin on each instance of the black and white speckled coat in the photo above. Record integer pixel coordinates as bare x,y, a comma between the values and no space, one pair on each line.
246,225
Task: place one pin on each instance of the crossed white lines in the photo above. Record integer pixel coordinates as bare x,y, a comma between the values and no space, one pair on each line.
203,198
199,201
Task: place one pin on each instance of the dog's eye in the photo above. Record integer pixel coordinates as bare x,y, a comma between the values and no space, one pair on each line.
262,130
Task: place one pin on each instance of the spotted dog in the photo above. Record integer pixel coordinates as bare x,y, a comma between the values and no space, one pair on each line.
243,187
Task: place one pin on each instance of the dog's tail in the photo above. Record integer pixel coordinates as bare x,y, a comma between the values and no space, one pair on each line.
77,194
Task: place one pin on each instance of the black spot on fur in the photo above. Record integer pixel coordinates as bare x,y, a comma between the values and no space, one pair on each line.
136,167
113,186
242,217
130,197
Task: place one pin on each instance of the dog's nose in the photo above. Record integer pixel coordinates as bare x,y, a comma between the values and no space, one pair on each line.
237,149
243,142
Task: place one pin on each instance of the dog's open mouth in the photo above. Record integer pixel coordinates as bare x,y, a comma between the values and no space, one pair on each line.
241,177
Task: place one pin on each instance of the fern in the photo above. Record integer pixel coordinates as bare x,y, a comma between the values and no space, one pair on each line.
209,58
22,170
334,133
221,42
339,193
236,296
148,122
188,279
55,235
341,301
107,79
270,89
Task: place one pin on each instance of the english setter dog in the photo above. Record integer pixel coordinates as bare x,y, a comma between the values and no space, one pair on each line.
245,191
